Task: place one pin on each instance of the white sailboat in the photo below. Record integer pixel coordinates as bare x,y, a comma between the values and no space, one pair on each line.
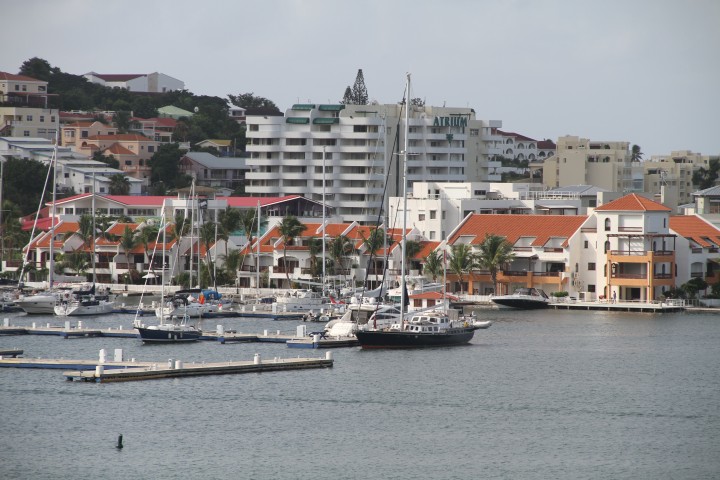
87,303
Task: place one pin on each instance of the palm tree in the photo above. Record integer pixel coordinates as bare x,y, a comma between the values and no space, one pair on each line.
412,248
434,265
228,221
207,237
232,264
119,184
148,234
493,252
340,247
314,248
128,241
461,261
636,154
290,227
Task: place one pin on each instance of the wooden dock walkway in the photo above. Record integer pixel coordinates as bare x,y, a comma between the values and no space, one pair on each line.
620,306
178,369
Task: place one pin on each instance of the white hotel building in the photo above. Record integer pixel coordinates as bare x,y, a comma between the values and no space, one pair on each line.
359,146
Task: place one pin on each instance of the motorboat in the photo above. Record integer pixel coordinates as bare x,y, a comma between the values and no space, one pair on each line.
362,313
39,303
84,302
523,298
300,301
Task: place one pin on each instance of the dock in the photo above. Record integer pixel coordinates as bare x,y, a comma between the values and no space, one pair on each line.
640,307
10,353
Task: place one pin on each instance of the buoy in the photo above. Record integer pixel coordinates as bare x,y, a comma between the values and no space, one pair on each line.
119,444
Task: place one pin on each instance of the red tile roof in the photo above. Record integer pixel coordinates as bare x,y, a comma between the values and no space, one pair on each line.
539,227
633,203
117,149
696,229
122,137
18,78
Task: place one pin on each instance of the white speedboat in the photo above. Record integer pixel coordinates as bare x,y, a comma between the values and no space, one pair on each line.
39,303
523,298
82,303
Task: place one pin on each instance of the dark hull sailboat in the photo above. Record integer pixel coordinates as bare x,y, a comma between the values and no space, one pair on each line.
168,333
412,339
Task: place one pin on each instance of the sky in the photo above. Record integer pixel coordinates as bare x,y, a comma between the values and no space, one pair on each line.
642,71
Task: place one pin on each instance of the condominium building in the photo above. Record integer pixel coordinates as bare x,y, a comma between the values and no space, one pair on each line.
606,165
352,154
24,108
669,177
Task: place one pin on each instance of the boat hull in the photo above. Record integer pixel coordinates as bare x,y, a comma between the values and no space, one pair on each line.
521,303
84,309
38,304
168,335
398,339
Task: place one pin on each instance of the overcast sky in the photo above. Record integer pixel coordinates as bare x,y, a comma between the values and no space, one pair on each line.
642,71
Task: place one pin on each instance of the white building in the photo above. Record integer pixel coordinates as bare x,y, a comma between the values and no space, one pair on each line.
350,151
140,82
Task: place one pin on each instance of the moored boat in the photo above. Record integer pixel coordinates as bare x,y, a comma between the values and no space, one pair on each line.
177,330
523,298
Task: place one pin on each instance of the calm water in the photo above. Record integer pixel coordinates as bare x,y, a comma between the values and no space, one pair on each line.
549,395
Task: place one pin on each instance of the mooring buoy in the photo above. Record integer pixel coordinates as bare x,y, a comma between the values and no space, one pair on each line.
119,444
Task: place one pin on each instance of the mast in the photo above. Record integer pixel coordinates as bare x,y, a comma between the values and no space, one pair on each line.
404,231
323,222
162,289
192,222
257,257
53,165
92,210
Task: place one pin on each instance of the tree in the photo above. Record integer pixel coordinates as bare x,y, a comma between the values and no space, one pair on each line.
705,178
84,232
315,248
359,91
249,100
109,160
128,241
636,154
493,252
207,237
36,68
340,247
461,261
23,183
417,102
434,265
121,119
164,164
228,221
289,228
358,94
412,248
119,184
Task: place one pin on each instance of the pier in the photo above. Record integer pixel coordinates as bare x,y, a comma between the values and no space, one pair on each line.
640,307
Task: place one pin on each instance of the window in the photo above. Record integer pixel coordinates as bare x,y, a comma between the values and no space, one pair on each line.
151,149
29,118
128,162
433,214
26,133
421,217
42,118
607,224
586,243
591,267
432,235
591,288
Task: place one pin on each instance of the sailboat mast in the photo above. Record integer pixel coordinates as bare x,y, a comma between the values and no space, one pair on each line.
92,211
192,223
323,222
405,170
257,257
53,165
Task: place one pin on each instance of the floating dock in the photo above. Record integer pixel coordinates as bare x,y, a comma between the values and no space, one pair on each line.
312,342
178,369
639,307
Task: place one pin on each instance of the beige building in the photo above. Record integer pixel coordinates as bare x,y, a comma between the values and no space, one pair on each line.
579,161
133,151
24,108
669,177
74,134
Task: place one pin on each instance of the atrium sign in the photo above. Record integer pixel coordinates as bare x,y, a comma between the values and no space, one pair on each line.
450,122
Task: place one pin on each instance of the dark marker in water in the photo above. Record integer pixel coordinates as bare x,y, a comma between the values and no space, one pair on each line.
119,444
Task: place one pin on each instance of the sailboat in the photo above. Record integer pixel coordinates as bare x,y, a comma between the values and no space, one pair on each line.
43,303
87,302
172,328
421,329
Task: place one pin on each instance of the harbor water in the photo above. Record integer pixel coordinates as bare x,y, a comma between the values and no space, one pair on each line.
539,395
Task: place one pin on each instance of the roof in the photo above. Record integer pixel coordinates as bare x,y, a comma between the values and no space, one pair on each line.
18,78
173,110
117,149
708,192
222,143
633,203
117,77
516,136
211,161
546,145
579,189
513,227
122,137
696,229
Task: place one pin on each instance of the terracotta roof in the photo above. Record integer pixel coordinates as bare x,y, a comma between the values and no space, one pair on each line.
427,248
122,137
117,149
546,145
513,227
18,78
633,203
515,135
119,228
696,229
432,296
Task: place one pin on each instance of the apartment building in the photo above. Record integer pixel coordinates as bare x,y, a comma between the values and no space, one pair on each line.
669,177
139,82
580,161
24,108
347,153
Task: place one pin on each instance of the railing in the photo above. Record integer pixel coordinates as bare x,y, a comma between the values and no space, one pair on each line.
522,249
697,274
660,276
514,273
630,229
553,249
636,276
546,274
